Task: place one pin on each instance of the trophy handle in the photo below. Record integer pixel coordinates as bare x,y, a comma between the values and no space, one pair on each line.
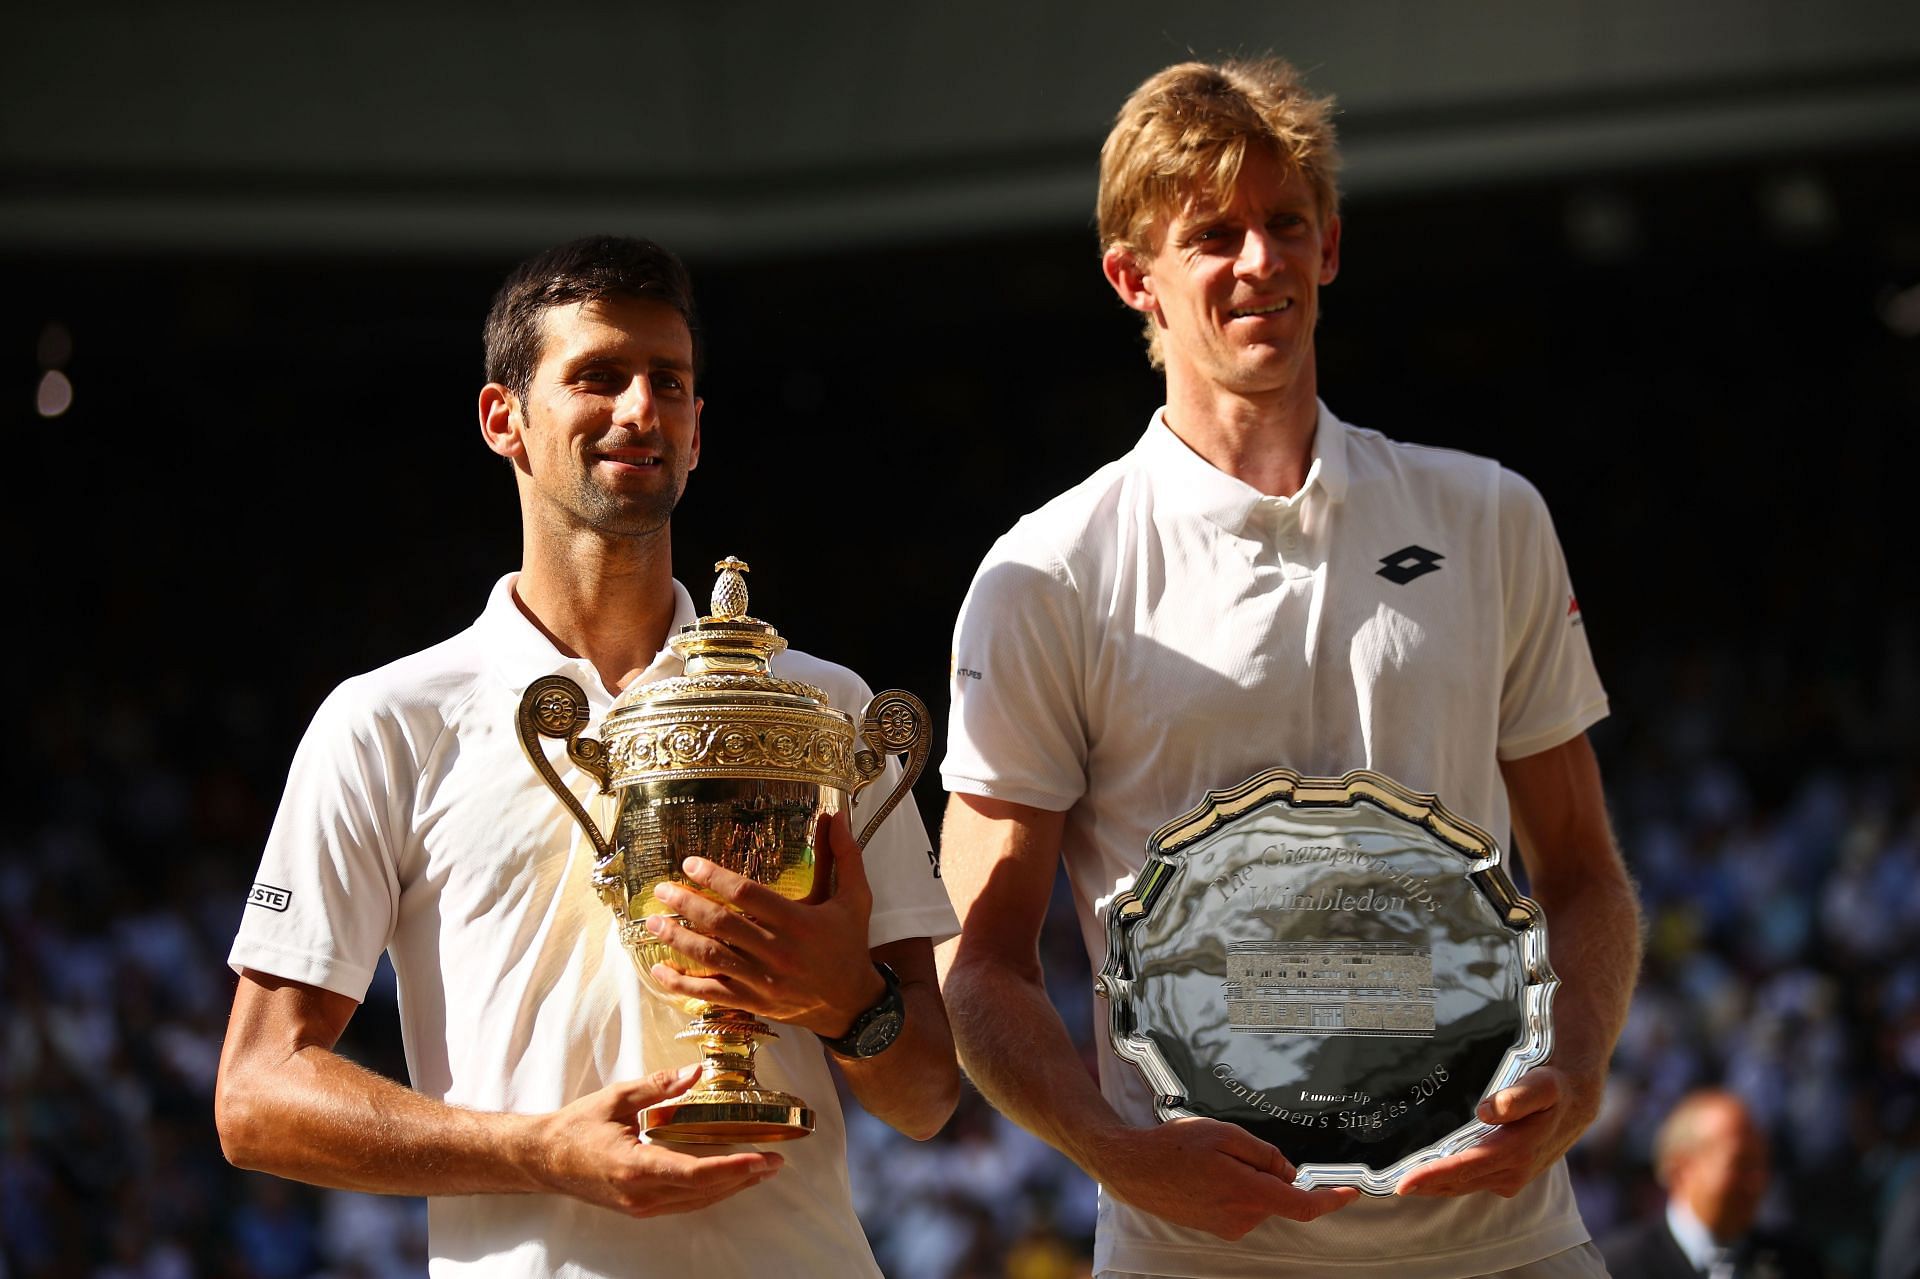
895,722
556,707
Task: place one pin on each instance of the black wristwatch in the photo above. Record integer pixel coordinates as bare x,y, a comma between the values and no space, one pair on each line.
874,1030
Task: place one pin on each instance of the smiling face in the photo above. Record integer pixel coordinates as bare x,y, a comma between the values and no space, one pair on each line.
1234,291
609,426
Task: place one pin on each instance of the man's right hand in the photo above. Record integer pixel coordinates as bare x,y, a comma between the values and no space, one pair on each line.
1208,1175
592,1151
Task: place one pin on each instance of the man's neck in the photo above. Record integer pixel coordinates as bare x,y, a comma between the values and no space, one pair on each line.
608,602
1263,440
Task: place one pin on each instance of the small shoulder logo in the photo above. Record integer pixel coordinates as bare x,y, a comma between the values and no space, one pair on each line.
1408,563
1573,611
933,858
269,896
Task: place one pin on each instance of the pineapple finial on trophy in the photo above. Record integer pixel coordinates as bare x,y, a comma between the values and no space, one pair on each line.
730,592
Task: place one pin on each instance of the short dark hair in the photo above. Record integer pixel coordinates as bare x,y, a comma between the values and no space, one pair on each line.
584,270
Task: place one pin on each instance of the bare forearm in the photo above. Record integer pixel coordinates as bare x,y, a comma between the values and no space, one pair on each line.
1001,859
1017,1052
319,1118
913,1085
286,1103
1593,916
1593,931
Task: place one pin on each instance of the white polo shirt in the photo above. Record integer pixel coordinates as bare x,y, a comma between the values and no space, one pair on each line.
1163,629
412,823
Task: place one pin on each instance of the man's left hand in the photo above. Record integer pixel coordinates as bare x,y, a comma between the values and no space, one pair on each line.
802,963
1536,1120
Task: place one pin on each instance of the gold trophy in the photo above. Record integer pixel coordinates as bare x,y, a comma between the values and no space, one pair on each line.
734,764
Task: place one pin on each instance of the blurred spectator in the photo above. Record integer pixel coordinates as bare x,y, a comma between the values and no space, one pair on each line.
1714,1163
274,1230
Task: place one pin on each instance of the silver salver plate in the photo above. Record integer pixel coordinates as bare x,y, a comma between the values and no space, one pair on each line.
1339,965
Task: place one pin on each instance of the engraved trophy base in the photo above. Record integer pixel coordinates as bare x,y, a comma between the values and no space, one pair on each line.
731,1117
727,1106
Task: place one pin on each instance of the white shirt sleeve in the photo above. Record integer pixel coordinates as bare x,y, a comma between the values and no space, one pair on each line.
324,903
1552,692
1018,728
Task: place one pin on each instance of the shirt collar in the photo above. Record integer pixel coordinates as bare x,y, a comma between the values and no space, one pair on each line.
521,652
1691,1234
1195,485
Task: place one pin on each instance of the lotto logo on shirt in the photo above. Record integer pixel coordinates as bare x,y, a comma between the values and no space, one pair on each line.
269,896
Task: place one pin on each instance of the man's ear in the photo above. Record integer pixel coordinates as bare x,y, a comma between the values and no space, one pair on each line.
693,450
1124,273
1330,250
501,422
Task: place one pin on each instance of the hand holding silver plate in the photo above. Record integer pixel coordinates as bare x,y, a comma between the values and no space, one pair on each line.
1341,966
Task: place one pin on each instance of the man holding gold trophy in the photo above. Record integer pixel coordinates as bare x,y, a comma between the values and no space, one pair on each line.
554,1122
1276,616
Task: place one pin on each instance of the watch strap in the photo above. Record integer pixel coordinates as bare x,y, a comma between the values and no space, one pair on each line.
889,1011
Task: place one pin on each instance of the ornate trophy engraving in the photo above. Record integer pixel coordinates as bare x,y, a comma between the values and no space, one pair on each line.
1339,965
738,766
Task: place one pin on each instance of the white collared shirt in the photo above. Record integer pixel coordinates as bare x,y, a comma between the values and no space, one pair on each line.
1697,1242
413,824
1163,629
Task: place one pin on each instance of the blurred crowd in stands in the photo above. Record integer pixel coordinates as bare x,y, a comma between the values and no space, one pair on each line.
1777,849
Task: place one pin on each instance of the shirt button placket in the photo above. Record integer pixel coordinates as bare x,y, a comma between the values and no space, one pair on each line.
1286,534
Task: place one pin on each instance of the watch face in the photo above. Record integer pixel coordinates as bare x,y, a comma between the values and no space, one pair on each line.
879,1034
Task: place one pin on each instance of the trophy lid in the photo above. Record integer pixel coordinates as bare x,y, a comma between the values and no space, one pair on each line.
727,639
728,712
727,653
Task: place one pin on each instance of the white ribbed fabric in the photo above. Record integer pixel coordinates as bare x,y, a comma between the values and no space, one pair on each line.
1163,629
412,823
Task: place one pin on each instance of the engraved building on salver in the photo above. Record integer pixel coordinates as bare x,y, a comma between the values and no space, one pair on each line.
1330,988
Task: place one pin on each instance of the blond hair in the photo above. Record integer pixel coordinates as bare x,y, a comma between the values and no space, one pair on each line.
1183,135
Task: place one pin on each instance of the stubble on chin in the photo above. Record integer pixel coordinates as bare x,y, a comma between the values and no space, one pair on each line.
584,507
637,518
